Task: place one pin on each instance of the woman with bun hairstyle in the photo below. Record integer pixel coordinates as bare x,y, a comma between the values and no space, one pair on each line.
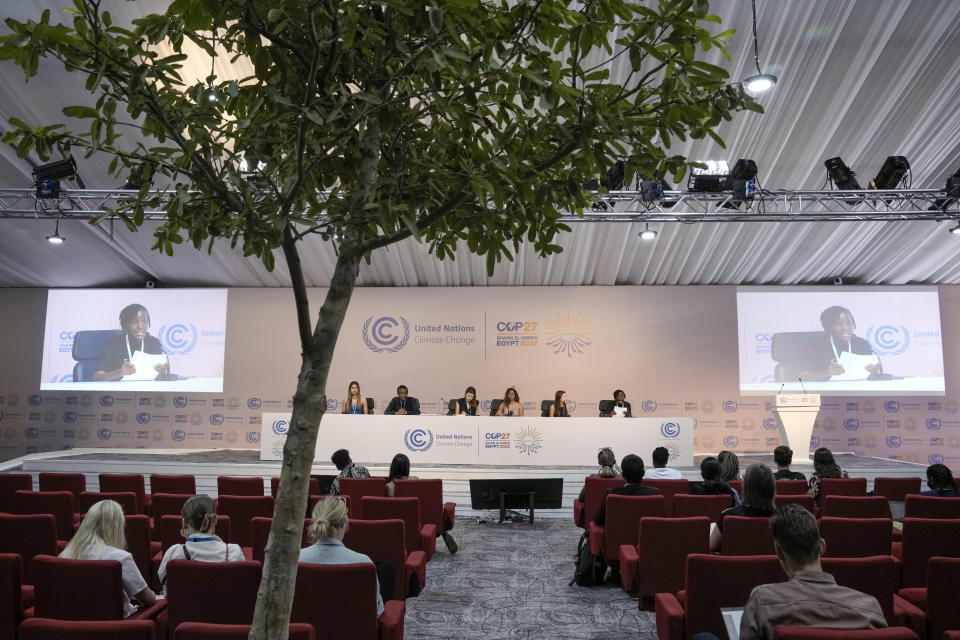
201,543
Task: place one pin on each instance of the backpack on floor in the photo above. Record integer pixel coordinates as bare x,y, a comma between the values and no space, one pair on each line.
588,571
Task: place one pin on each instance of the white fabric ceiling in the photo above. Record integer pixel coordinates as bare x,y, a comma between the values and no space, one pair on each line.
860,79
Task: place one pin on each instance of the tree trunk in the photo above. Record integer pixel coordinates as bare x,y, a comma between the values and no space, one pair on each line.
275,598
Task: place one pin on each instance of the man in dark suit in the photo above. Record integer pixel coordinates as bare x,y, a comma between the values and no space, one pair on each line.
402,404
632,468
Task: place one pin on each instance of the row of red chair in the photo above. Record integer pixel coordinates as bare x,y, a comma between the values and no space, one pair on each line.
217,593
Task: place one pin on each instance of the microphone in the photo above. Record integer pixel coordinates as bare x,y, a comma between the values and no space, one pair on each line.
800,380
781,388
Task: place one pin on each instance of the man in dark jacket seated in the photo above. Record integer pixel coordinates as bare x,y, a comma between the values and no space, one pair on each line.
402,404
632,468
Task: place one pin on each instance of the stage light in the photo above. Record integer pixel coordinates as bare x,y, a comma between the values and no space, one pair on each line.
744,179
956,230
762,81
841,174
47,177
612,181
716,177
891,173
647,233
651,190
56,238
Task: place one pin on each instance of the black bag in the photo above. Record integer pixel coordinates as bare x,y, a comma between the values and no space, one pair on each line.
589,569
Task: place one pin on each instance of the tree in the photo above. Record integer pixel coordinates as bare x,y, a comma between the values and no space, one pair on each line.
451,121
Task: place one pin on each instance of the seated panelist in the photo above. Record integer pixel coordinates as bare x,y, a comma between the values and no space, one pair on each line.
620,408
468,404
354,403
559,408
403,404
511,404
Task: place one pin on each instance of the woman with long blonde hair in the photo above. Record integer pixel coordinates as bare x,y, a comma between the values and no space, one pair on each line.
101,537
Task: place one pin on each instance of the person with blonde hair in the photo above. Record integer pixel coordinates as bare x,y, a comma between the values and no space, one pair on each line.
101,537
327,528
199,515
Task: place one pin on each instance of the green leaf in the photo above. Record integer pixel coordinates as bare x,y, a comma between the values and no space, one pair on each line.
80,112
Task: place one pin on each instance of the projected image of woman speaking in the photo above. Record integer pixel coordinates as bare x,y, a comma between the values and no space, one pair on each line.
117,358
835,353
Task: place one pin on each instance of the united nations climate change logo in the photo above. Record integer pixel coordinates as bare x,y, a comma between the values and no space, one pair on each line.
568,333
70,417
178,435
770,424
254,403
894,441
331,404
814,441
143,417
935,458
33,399
216,418
731,441
649,406
934,424
382,335
891,406
280,427
529,441
104,433
889,340
180,402
178,339
253,437
851,424
669,429
418,439
730,406
106,400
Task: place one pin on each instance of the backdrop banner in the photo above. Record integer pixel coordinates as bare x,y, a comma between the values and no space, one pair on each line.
481,440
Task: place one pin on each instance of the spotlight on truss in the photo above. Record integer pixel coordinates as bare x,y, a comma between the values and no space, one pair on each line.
841,174
892,173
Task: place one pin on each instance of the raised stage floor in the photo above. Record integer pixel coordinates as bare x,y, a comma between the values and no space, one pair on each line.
207,464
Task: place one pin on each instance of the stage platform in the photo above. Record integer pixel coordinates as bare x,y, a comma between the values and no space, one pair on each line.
207,464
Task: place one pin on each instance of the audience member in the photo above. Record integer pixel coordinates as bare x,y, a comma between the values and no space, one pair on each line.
341,460
202,544
101,537
811,597
729,466
712,483
758,491
399,470
824,466
403,404
327,528
940,481
632,467
660,471
783,457
608,468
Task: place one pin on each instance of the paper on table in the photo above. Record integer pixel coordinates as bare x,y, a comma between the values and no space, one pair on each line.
855,365
145,365
619,412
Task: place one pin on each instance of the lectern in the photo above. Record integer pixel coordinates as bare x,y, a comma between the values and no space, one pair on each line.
796,413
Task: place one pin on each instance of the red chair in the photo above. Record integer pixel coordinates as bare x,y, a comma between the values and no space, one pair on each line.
931,507
352,615
126,499
805,501
358,488
418,537
593,492
75,483
896,489
855,507
383,541
11,596
239,486
314,499
206,631
123,482
166,504
82,590
877,576
746,537
939,597
275,485
923,539
215,592
171,526
856,537
658,563
842,487
687,506
28,536
260,534
791,487
241,510
57,503
737,485
668,489
622,525
433,510
46,629
137,533
10,483
174,484
697,608
814,633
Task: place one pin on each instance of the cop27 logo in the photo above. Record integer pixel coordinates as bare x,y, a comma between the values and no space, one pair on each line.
649,406
384,335
889,340
178,339
934,424
730,406
731,441
851,424
891,406
894,441
280,427
418,439
669,429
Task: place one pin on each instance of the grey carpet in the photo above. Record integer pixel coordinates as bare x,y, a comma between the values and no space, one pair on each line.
510,581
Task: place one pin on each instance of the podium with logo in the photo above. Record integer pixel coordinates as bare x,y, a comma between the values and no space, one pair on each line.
796,414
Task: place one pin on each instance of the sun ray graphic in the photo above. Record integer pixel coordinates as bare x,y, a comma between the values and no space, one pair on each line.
529,441
568,333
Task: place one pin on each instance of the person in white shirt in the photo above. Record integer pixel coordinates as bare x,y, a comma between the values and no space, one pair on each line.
101,537
660,469
202,544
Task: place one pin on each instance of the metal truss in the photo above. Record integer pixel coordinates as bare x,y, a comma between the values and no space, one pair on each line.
616,206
